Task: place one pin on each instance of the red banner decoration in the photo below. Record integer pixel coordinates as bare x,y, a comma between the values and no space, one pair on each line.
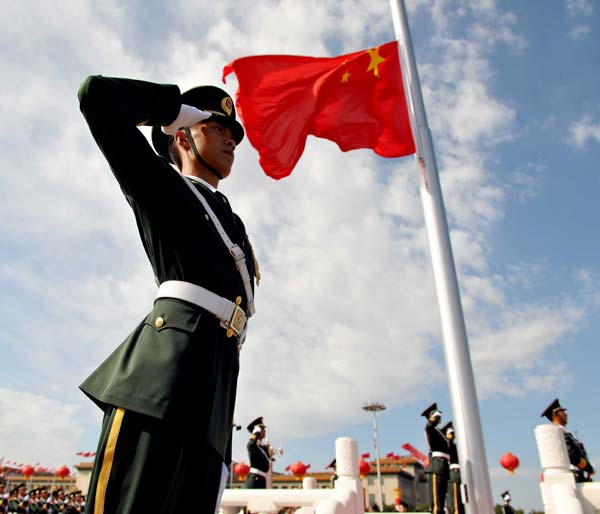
416,454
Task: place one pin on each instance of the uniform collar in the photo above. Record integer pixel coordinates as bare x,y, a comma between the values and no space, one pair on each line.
193,178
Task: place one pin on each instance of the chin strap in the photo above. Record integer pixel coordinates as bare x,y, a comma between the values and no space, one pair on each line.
199,157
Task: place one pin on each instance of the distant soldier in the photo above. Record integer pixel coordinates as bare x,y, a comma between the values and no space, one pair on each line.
580,463
3,497
44,499
34,505
455,504
506,508
437,470
259,456
334,477
58,502
18,501
74,505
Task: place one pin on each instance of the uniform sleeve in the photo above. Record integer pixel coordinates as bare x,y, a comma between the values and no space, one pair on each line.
252,442
574,451
113,109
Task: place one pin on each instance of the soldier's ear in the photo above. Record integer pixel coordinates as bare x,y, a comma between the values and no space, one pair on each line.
181,139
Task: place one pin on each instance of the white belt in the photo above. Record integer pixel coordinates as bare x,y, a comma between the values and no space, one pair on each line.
440,454
454,466
258,472
230,314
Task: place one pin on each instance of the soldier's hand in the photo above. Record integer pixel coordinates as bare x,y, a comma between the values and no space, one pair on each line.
187,117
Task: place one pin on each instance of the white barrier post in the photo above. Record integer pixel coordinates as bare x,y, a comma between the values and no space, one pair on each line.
346,458
559,491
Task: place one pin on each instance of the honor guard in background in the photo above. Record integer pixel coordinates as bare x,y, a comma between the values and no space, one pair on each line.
185,352
454,500
506,508
334,477
258,455
580,464
439,460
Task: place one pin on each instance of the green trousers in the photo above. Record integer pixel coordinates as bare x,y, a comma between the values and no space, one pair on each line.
144,465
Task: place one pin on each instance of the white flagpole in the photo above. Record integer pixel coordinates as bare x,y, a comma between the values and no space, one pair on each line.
471,450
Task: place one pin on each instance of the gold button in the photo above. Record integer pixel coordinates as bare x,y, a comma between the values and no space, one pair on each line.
206,216
159,322
238,300
229,332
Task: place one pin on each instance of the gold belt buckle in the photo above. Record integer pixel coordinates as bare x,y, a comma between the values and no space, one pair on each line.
236,323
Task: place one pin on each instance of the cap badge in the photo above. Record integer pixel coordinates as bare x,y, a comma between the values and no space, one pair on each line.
227,105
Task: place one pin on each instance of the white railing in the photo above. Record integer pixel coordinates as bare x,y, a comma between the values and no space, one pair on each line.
560,493
345,498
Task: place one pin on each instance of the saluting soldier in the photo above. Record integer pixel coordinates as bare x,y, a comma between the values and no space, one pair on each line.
439,460
258,455
506,507
580,463
185,351
455,504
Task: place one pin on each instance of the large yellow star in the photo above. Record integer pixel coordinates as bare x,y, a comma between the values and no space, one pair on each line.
376,60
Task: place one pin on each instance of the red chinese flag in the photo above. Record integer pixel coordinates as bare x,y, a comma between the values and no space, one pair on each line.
355,100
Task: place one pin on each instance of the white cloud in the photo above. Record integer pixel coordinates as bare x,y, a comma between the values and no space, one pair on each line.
30,418
576,10
578,32
584,130
579,7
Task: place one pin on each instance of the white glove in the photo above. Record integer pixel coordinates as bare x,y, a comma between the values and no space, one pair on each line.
257,430
187,117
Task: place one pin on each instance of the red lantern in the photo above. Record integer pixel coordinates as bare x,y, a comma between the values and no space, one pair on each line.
62,472
241,469
27,471
363,467
299,470
509,462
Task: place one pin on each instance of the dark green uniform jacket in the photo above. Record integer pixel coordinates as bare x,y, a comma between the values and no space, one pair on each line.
186,364
437,442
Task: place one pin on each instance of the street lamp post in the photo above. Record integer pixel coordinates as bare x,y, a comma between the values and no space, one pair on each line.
374,407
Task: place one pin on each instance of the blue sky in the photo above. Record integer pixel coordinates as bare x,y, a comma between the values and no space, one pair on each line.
346,310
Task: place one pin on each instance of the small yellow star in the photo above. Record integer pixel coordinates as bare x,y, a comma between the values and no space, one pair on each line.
376,60
346,76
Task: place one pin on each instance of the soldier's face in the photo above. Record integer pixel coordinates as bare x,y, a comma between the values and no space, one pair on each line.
563,417
216,145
